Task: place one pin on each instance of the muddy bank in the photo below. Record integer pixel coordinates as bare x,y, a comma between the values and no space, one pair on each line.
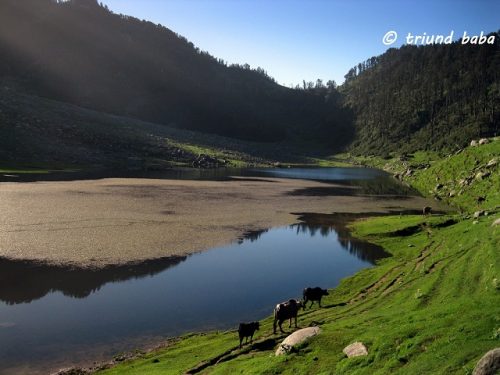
115,221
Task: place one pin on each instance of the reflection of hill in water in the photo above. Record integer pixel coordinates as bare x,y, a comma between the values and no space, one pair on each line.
326,225
23,281
363,250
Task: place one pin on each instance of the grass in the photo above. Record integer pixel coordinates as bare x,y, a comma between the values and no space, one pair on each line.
431,308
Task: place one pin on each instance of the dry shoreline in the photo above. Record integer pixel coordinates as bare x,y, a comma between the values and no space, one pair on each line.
97,223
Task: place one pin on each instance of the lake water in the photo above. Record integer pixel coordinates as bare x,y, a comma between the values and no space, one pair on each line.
54,316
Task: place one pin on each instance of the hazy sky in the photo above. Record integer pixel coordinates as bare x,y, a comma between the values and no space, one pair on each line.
308,39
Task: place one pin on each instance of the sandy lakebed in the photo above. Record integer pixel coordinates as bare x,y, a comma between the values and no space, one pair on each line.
96,223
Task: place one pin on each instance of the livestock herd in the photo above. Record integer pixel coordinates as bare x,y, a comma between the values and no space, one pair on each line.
284,311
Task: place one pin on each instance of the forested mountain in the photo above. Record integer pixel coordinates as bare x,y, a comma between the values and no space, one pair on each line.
435,97
79,52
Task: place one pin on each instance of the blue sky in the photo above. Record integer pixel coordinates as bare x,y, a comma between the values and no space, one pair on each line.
308,39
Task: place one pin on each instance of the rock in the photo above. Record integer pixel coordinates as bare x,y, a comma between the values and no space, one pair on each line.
481,175
492,163
496,223
475,222
438,186
473,143
355,350
489,364
296,338
483,141
478,213
408,172
452,193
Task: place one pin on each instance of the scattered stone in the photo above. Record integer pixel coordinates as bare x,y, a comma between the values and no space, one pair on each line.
493,162
408,172
452,193
355,350
489,364
496,223
439,186
478,213
411,245
206,161
296,338
483,141
481,175
473,143
475,222
480,199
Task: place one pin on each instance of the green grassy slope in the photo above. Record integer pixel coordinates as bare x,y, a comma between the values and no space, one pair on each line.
431,308
458,179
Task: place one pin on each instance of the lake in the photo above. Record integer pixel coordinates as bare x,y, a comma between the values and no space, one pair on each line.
53,316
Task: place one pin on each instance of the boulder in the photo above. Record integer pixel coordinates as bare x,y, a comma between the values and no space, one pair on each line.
483,141
477,214
355,350
296,338
496,223
489,364
481,175
492,163
473,143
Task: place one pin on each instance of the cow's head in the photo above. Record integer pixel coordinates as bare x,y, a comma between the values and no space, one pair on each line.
324,292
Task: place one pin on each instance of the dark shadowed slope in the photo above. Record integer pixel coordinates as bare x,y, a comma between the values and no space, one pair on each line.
81,53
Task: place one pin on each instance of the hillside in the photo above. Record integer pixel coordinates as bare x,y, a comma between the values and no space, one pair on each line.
434,97
431,308
81,53
42,133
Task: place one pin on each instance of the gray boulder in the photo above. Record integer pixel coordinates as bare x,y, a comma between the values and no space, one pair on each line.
489,364
296,338
356,349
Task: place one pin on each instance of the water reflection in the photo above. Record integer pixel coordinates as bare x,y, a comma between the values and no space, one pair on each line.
50,314
23,281
362,250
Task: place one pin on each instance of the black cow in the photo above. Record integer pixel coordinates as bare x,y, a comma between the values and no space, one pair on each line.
247,330
284,311
313,294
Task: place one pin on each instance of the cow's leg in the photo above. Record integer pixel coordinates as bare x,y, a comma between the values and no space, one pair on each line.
274,326
295,321
290,323
319,302
241,340
281,328
312,302
305,303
